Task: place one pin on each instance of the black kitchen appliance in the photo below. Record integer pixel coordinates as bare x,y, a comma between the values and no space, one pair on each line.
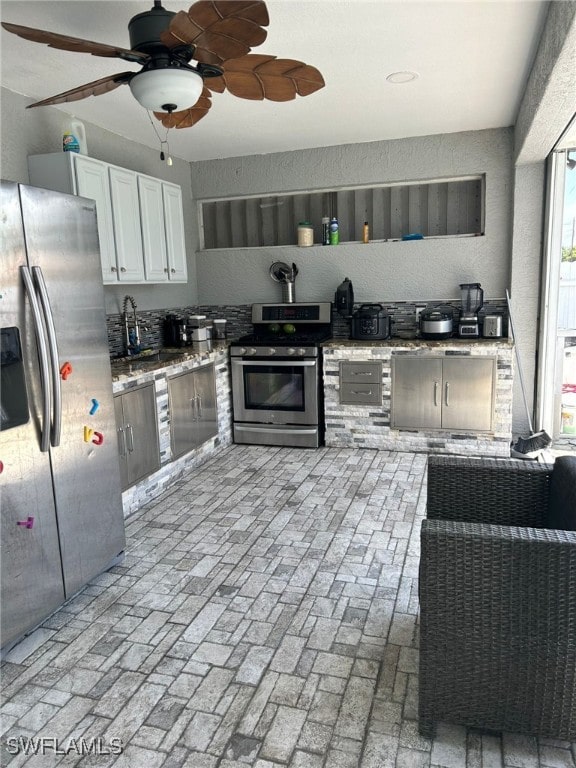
472,297
436,322
175,332
344,298
277,375
370,323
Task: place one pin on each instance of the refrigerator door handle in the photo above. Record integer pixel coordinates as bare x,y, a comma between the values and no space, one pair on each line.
56,428
43,355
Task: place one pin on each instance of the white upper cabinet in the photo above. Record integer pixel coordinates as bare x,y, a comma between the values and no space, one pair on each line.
91,177
162,231
175,245
127,232
153,231
140,219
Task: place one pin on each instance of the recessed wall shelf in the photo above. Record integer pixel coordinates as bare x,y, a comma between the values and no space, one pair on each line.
446,207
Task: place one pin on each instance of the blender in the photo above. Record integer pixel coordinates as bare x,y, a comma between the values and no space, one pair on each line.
472,297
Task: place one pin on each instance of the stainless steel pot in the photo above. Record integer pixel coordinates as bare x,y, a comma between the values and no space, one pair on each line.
436,323
370,323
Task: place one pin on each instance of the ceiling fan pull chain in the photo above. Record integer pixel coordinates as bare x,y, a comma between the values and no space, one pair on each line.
165,156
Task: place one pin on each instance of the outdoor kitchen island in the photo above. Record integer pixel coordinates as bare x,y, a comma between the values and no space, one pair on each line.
447,396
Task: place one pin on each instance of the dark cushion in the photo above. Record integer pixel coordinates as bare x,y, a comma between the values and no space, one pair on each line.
562,507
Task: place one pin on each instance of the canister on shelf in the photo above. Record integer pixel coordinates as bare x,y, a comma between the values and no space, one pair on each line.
219,329
305,234
325,230
334,231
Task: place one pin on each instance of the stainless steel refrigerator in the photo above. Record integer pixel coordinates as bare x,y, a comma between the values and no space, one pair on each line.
61,504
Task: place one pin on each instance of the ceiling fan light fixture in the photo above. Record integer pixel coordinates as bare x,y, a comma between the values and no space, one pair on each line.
167,89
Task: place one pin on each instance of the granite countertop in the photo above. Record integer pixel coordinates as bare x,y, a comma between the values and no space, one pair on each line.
395,341
150,362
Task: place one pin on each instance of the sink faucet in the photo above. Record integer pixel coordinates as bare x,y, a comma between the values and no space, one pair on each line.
131,327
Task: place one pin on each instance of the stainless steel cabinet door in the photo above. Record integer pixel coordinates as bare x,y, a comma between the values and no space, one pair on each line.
193,417
122,445
205,387
140,433
182,397
416,393
468,393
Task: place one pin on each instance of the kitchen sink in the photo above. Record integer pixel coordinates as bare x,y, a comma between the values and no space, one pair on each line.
150,358
159,356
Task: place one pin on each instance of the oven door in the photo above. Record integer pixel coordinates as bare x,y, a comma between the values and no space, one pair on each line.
269,391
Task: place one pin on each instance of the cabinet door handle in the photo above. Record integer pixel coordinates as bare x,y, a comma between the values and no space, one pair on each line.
113,269
361,373
165,269
435,393
129,438
199,399
122,434
122,269
172,270
361,392
194,409
447,393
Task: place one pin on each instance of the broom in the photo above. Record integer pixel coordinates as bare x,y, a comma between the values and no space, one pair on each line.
529,447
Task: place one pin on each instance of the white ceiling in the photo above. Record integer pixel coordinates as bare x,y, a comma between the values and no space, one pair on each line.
473,58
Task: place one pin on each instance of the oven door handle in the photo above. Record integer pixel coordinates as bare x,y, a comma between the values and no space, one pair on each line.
279,363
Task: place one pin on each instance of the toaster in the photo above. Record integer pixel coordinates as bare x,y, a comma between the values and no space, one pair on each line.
492,327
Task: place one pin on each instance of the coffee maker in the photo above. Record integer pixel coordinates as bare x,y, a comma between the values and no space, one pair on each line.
472,297
175,331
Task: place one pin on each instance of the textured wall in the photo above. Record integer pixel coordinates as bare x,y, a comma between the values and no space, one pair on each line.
425,270
525,280
30,132
549,100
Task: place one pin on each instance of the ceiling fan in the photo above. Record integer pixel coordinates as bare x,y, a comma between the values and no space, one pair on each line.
215,34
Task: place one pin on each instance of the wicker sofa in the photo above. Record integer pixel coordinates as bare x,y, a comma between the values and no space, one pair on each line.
497,598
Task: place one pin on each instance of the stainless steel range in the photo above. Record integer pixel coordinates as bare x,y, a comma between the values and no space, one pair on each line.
277,376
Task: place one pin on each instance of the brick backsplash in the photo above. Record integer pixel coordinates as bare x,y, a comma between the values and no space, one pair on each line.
239,320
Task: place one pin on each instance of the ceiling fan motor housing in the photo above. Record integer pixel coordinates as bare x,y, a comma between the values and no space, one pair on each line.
145,29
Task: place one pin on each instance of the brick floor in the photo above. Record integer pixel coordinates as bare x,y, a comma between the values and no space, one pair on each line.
265,615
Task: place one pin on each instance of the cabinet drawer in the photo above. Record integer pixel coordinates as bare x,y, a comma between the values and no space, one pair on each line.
358,393
368,372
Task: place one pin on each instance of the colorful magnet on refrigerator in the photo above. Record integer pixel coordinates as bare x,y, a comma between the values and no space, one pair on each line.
98,438
65,370
88,434
95,406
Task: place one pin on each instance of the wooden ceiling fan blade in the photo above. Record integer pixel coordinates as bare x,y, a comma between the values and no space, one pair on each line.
67,43
219,30
186,118
257,76
95,88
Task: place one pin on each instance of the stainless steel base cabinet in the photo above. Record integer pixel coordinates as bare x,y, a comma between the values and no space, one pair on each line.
137,429
455,393
193,417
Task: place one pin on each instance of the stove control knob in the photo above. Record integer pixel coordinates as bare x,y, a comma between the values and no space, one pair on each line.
271,351
251,351
301,351
291,351
243,351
